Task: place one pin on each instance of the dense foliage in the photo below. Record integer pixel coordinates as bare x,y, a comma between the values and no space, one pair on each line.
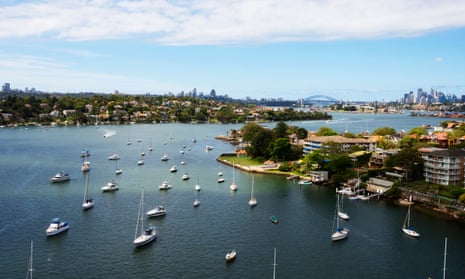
117,109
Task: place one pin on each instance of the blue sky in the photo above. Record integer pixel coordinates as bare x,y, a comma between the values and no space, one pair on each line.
351,50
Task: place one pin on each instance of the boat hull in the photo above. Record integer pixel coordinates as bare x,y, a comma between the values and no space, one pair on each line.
145,239
340,234
410,232
54,231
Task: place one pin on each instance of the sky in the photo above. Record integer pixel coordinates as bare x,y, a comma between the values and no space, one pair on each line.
356,50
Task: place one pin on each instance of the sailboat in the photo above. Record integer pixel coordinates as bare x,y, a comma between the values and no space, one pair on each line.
341,232
143,236
87,202
406,228
150,145
85,167
196,201
233,186
117,169
252,200
29,267
340,212
197,186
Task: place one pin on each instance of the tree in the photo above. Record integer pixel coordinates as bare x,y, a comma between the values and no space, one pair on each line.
280,149
302,133
249,130
280,131
258,147
410,160
326,131
384,131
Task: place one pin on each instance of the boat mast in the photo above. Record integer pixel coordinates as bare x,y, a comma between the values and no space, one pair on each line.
139,218
29,269
445,255
274,264
86,188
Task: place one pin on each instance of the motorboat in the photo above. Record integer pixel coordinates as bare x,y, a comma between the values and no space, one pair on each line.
165,158
230,255
208,147
114,157
274,219
164,186
85,153
61,176
159,210
185,176
85,167
56,226
140,162
305,182
220,179
110,187
173,169
196,202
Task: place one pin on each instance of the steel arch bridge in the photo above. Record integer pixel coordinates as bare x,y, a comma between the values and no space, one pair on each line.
319,100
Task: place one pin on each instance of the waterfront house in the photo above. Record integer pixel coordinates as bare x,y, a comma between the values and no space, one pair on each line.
443,166
317,142
378,185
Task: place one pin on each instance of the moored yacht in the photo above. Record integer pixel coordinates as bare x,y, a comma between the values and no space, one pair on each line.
159,210
61,176
164,186
111,186
56,226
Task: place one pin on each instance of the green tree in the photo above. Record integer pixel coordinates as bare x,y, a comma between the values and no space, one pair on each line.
249,130
384,131
280,131
280,149
326,131
258,147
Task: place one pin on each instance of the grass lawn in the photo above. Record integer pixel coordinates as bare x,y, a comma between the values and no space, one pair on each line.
243,161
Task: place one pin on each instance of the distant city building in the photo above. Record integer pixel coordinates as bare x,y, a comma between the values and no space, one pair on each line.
6,87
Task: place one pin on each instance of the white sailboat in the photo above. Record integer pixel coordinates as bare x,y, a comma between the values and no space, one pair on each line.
252,200
233,186
230,255
406,228
85,167
143,236
197,186
341,232
196,201
29,267
340,212
118,170
87,202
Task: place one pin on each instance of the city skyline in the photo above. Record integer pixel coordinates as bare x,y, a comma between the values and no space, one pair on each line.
353,50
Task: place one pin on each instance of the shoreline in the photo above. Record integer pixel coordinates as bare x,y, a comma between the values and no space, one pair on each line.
426,205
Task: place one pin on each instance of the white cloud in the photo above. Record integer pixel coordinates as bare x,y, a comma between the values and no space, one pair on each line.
230,21
438,59
49,75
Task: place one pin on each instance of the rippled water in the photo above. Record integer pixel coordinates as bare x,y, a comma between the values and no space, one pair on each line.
192,241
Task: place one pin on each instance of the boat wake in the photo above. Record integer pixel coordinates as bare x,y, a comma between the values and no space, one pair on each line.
108,133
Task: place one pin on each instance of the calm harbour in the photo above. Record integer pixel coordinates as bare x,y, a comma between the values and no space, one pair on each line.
192,242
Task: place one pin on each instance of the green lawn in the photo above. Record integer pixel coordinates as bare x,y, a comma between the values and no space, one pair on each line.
243,161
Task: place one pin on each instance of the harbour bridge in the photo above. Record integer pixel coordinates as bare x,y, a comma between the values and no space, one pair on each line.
319,100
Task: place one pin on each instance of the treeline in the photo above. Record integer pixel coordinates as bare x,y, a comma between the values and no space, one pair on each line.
121,109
